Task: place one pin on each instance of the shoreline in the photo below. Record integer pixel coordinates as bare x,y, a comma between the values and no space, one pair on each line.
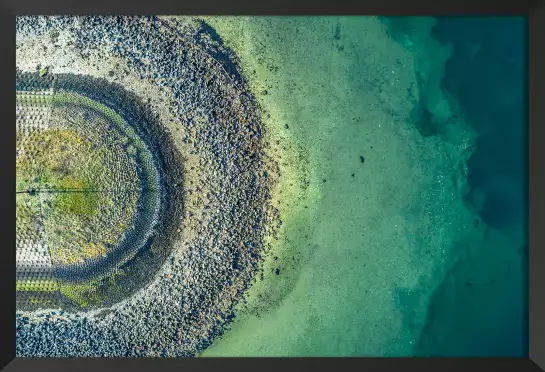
304,319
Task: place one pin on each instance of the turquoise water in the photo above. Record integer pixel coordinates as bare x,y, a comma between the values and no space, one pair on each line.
486,74
402,149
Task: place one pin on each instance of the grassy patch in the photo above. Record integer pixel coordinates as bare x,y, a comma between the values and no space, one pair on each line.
84,295
48,285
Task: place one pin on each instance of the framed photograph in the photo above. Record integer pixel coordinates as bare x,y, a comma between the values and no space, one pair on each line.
230,185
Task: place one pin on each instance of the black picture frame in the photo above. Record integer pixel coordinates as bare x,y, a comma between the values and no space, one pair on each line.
533,9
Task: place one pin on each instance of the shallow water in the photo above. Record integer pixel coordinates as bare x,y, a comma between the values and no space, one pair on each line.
386,249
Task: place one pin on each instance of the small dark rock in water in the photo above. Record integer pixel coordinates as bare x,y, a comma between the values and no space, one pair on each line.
324,180
353,174
362,159
277,271
286,126
265,92
275,258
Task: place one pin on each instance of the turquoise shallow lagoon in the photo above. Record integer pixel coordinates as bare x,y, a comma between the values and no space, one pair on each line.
402,150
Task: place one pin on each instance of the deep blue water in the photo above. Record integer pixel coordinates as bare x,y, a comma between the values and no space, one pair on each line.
490,85
487,76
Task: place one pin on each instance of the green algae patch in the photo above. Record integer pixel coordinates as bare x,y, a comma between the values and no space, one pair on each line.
78,203
27,216
37,285
83,295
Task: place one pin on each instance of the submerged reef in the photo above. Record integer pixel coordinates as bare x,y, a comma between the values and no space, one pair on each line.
143,186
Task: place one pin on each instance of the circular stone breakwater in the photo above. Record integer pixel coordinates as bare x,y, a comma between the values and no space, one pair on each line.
203,198
104,187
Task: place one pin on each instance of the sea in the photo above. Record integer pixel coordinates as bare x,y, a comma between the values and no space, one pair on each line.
402,148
